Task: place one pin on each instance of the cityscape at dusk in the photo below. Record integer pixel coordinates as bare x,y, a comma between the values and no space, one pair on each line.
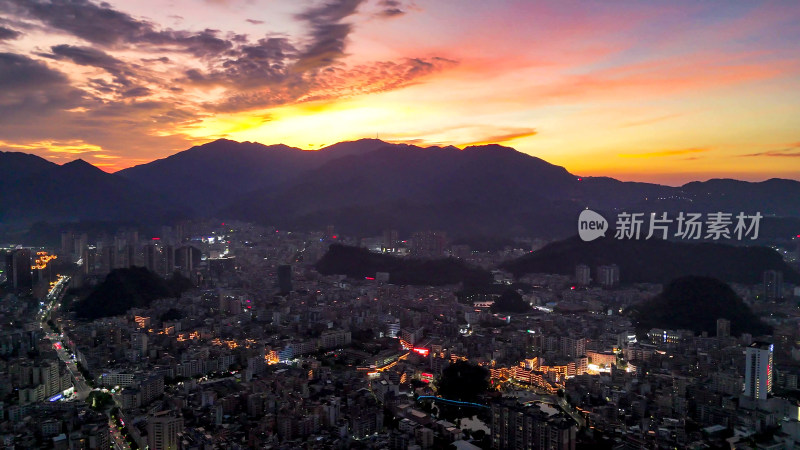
399,225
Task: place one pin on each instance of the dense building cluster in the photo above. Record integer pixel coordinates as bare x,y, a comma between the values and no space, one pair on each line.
266,352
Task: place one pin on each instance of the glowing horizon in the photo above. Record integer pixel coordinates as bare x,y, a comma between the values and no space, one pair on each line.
665,93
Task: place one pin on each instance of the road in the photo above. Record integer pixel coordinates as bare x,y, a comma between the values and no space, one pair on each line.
116,437
53,299
51,304
82,389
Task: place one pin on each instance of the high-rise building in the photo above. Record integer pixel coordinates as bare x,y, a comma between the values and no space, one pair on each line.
134,254
608,276
284,279
390,239
187,258
572,347
66,243
723,328
79,243
18,269
162,430
773,284
520,426
89,259
582,275
758,370
108,261
168,253
139,342
152,256
428,244
180,232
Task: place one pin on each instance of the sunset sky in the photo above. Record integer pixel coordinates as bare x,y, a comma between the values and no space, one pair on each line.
661,91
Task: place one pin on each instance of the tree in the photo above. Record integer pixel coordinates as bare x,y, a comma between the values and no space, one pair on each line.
171,315
463,381
510,301
179,284
99,400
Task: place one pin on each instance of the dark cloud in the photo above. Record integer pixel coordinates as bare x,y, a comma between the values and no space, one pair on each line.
331,12
280,70
102,25
162,59
18,72
391,8
334,82
140,91
88,56
99,24
102,86
205,43
30,86
260,64
328,33
8,33
377,77
255,22
253,74
238,38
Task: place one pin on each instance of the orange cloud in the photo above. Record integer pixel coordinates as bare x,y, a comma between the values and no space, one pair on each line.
502,138
636,123
661,153
786,153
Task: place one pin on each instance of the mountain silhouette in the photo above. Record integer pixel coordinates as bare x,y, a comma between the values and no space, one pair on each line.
656,260
366,186
695,303
39,190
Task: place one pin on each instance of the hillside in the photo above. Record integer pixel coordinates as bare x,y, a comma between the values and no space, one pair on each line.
359,263
655,260
123,289
42,191
695,303
15,166
364,187
463,192
209,176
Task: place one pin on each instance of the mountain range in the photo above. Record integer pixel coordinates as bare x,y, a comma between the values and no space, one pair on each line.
33,189
362,187
655,260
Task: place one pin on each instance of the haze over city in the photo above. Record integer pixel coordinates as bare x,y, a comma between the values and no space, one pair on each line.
664,92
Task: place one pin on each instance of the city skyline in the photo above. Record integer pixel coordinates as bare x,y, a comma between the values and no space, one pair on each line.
636,91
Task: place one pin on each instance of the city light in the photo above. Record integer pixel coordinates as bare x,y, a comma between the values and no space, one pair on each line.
421,351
